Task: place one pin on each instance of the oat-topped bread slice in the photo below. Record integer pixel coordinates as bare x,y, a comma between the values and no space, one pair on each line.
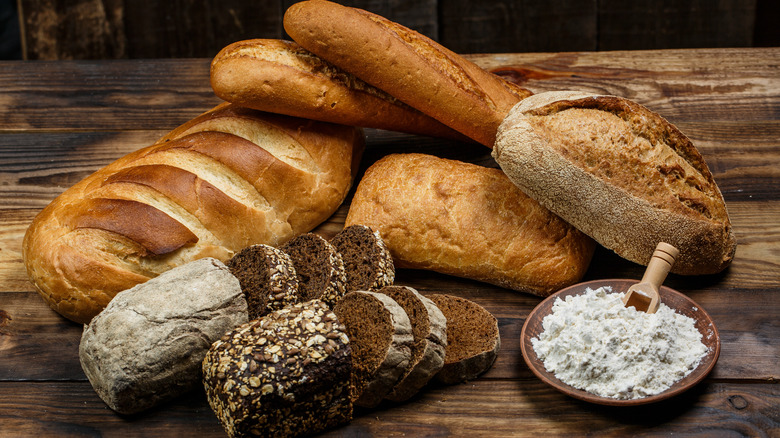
285,374
319,267
267,277
381,339
429,328
472,339
367,260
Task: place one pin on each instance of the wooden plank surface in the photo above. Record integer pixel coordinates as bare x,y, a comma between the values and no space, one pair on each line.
59,121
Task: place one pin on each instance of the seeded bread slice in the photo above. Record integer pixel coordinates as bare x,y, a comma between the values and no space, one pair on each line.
429,327
267,277
285,374
367,260
381,339
472,339
319,267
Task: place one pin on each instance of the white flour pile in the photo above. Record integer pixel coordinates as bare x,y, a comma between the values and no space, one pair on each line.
593,343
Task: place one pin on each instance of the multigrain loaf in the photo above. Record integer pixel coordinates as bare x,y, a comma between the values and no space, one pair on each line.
227,179
429,328
282,77
285,374
405,64
381,339
621,174
267,278
367,261
470,221
473,339
319,268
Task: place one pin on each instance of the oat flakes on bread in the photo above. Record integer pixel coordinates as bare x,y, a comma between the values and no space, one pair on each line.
367,261
267,278
473,339
621,174
319,267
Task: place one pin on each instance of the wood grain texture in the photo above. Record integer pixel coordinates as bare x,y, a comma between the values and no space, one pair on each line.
60,121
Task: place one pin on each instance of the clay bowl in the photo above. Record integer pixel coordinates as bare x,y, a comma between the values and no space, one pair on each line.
677,301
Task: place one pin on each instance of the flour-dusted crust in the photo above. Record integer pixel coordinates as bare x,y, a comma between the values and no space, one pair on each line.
430,331
386,334
473,339
470,221
225,180
423,74
621,174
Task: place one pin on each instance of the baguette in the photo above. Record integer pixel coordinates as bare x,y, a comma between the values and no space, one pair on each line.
281,77
469,221
228,179
405,64
621,174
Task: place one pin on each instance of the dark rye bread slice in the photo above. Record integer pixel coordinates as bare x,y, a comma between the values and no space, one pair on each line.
381,339
319,267
472,339
267,277
367,260
285,374
429,328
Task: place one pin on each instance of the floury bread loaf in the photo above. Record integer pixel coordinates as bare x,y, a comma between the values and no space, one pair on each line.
469,221
621,174
282,77
228,179
407,65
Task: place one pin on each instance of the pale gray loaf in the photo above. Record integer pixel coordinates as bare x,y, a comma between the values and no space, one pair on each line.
621,174
148,344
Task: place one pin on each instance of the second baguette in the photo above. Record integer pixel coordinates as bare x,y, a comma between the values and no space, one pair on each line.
470,221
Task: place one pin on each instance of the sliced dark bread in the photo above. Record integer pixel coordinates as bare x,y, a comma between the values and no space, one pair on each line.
267,277
472,339
367,260
319,267
285,374
381,339
429,328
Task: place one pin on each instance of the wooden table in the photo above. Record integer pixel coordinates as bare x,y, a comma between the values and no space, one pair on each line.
59,121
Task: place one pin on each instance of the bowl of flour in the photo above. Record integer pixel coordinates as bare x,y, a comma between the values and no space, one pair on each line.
585,343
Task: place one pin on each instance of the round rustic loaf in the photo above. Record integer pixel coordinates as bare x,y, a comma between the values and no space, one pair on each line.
285,374
319,267
367,261
267,277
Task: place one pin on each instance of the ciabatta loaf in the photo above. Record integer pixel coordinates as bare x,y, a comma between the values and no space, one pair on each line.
228,179
282,77
405,64
621,174
470,221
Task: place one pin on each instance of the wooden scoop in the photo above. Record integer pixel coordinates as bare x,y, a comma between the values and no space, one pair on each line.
644,295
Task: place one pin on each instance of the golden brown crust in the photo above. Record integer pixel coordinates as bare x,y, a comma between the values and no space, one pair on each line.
620,173
405,64
281,77
223,181
469,221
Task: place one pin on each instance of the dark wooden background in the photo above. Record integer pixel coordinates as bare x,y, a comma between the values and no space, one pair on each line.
113,29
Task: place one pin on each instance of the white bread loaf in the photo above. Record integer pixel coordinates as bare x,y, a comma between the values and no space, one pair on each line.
228,179
405,64
621,174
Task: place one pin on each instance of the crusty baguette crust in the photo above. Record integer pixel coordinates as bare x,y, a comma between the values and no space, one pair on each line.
228,179
621,174
405,64
469,221
281,77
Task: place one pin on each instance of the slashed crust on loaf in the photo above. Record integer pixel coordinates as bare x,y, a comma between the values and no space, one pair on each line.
405,64
470,221
282,77
227,179
620,173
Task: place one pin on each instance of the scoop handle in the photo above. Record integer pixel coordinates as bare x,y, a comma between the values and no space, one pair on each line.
660,264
